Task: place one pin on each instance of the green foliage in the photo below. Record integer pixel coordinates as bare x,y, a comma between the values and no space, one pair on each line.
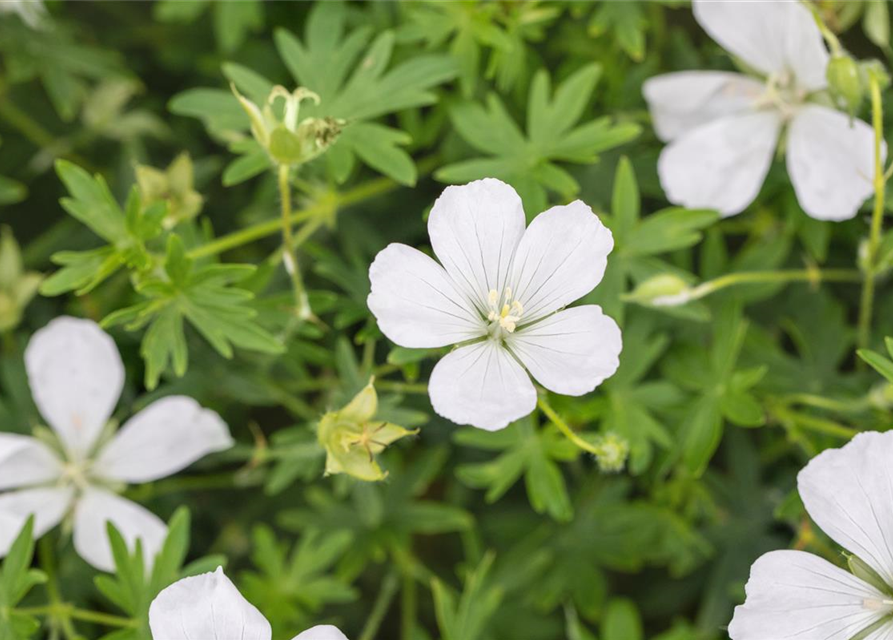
205,296
527,161
17,578
466,616
291,587
133,587
742,351
527,451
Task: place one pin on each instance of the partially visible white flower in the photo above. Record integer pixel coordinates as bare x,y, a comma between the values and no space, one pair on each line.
76,376
722,128
848,492
500,296
32,12
209,606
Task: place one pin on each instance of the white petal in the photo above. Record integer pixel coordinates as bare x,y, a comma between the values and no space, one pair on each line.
97,507
793,594
474,230
481,385
570,352
848,492
10,527
560,259
26,461
322,632
76,377
771,37
206,607
416,303
831,162
683,101
722,164
165,437
48,506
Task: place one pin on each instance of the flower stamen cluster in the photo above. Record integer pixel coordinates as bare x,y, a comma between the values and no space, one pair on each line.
504,316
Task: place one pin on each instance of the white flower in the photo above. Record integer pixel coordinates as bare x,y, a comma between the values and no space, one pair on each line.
209,606
723,128
32,12
76,376
848,492
499,296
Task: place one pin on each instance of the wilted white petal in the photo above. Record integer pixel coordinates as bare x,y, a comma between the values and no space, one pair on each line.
560,259
683,101
322,632
206,607
481,385
26,461
771,37
96,508
570,352
416,303
474,230
76,377
796,595
48,506
722,164
165,437
848,492
830,160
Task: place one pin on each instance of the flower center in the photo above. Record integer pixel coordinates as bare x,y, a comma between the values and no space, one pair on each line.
874,604
75,474
783,93
505,313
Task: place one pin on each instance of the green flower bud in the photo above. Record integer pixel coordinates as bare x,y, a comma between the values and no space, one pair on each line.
664,290
174,186
845,82
17,286
352,437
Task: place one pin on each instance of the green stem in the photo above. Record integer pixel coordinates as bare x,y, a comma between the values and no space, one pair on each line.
877,218
66,610
290,255
813,276
564,428
817,425
361,192
408,607
34,132
380,608
402,387
48,565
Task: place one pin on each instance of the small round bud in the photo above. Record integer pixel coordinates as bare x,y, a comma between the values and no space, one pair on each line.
845,82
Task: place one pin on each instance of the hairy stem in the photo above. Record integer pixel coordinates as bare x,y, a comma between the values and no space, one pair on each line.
877,218
564,428
289,254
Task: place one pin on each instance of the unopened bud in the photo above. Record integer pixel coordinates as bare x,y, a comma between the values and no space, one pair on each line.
845,82
664,290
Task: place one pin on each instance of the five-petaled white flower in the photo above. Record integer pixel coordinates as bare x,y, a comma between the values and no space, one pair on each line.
723,128
76,377
848,492
209,606
499,295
